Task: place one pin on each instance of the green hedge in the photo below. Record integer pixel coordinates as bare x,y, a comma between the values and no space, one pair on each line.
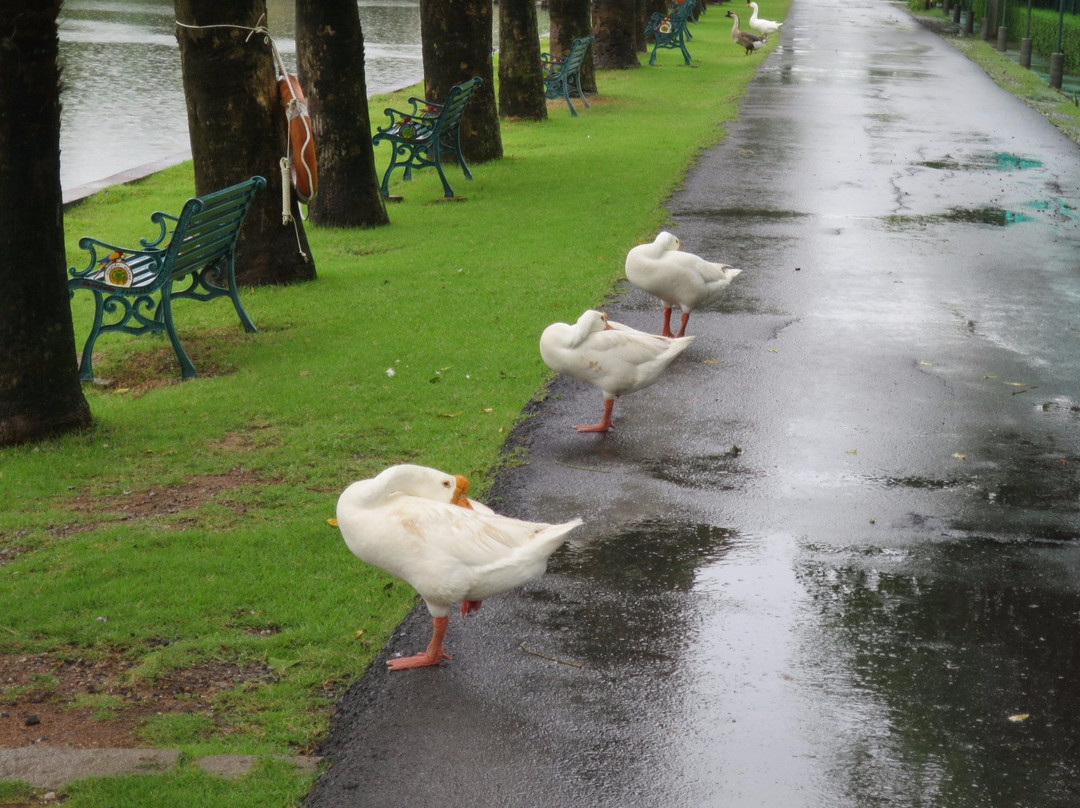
1044,33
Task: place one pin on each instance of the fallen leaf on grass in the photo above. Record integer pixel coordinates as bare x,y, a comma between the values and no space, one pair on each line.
332,522
449,414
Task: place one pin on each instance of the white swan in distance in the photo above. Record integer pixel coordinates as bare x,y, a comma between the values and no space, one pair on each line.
678,278
417,524
759,24
608,355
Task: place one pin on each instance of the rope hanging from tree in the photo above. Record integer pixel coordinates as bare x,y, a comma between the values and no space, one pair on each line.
299,170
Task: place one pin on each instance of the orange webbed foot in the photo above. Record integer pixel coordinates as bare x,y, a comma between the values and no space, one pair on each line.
432,656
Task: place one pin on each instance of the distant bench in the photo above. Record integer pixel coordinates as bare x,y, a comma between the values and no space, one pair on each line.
419,136
669,31
138,283
562,76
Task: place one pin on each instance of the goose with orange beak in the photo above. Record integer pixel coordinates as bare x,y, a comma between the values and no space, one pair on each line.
418,524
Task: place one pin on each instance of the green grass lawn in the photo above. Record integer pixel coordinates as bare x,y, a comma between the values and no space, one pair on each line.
187,529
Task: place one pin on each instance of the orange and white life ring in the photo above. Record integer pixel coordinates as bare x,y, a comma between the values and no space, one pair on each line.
305,172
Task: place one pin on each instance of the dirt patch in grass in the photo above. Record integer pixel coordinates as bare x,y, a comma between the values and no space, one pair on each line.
93,704
159,501
9,553
137,372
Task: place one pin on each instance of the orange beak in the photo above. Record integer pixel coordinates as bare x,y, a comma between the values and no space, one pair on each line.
607,326
460,491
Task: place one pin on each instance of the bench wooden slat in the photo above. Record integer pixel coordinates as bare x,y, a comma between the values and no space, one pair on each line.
200,251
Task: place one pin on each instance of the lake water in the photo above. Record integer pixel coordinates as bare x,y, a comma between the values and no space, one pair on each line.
123,98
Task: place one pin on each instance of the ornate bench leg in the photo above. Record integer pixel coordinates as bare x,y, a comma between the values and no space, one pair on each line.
448,192
187,369
86,365
234,296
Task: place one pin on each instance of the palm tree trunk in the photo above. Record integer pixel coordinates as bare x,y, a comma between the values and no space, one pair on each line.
40,394
456,36
330,59
237,127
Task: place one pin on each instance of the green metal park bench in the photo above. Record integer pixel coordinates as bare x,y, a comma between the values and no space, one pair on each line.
562,76
419,137
669,31
136,284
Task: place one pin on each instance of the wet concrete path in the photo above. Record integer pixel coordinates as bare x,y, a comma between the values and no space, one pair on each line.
833,558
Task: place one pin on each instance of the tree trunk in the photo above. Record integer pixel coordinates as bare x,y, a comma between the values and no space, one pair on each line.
570,20
456,36
330,60
521,83
40,394
613,24
237,127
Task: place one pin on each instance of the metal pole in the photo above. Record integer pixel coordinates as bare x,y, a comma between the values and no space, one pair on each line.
1057,60
1025,43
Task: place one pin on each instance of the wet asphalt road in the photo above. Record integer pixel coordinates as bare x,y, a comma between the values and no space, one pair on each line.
833,558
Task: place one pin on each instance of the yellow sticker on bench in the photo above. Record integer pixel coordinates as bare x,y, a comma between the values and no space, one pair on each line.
119,274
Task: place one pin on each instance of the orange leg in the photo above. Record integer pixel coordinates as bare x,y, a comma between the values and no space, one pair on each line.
469,606
432,656
605,422
666,331
682,328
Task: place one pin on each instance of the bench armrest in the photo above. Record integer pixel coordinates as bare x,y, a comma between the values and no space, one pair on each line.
110,252
162,220
421,123
423,108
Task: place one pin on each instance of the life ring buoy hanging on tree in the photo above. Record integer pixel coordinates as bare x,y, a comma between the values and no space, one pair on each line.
304,171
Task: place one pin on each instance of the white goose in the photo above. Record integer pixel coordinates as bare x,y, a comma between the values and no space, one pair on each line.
680,278
417,524
614,357
762,26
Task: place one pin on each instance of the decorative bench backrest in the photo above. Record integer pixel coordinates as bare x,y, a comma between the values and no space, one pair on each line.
454,107
209,227
576,56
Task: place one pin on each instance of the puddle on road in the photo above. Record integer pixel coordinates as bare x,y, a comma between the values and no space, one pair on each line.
1057,208
718,472
631,593
997,217
654,555
914,481
973,649
995,161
